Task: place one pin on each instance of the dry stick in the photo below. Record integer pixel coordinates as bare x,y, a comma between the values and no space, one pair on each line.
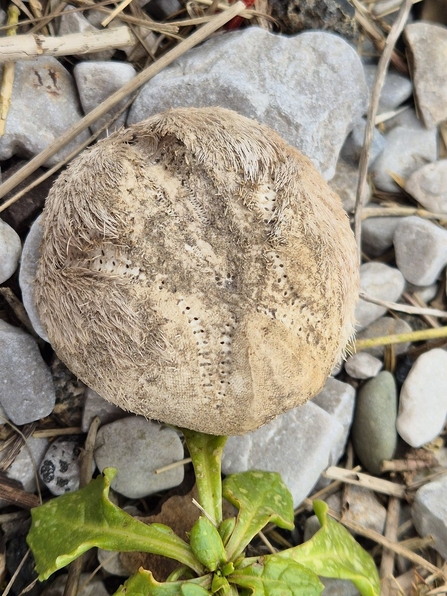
57,432
387,562
366,481
56,12
372,112
69,157
115,12
411,310
8,71
417,302
401,212
75,569
144,76
400,338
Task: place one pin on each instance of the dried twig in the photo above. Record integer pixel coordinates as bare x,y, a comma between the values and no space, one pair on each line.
401,212
8,71
372,112
366,481
387,562
134,84
412,310
400,338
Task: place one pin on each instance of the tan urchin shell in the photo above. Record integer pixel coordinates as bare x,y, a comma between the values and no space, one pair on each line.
197,270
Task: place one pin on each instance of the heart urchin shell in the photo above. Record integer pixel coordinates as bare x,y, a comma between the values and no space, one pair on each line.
197,270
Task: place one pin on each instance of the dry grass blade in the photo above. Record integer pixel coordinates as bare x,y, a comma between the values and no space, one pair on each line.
400,338
115,12
127,89
382,67
411,310
396,211
8,71
387,562
366,481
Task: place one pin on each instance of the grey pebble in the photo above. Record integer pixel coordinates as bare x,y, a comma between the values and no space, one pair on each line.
44,104
353,145
396,88
428,186
10,249
26,385
27,276
378,233
427,46
423,399
421,250
310,430
363,508
429,513
386,326
373,432
363,366
96,81
75,22
406,150
95,405
344,183
137,447
60,466
378,281
286,93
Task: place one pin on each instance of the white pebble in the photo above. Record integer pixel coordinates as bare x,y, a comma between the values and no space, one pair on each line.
363,366
10,249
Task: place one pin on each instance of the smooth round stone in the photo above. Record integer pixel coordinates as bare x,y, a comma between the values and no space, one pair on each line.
378,281
386,326
363,366
374,427
396,88
137,447
344,183
10,249
423,399
429,513
60,465
378,233
352,149
428,186
421,250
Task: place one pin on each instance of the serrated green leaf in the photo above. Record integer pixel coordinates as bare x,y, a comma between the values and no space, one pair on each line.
143,583
260,497
333,552
206,454
69,525
274,576
206,544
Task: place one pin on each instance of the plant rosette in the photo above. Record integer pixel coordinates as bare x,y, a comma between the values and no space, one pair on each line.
214,561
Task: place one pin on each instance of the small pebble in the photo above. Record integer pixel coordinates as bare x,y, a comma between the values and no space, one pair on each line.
428,186
10,249
27,275
378,281
60,467
427,47
421,250
137,447
96,81
378,233
353,146
396,88
363,366
406,150
423,399
76,22
429,513
26,387
111,562
338,400
344,183
313,433
44,104
95,405
317,65
338,587
374,427
363,508
386,326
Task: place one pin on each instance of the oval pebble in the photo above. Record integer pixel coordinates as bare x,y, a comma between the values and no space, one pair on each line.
60,466
10,249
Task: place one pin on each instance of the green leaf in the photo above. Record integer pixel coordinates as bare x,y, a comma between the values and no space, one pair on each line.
260,497
69,525
220,583
333,552
226,529
274,576
206,544
206,454
143,583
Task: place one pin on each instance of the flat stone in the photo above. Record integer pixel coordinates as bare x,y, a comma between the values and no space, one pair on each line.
406,150
353,146
44,104
312,432
423,399
386,326
373,432
26,386
338,400
378,281
60,466
428,186
137,447
427,46
95,405
378,233
344,183
10,249
429,513
363,508
396,88
75,22
363,366
96,81
286,93
27,276
421,250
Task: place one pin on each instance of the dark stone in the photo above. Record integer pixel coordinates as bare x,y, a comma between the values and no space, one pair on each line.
47,470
